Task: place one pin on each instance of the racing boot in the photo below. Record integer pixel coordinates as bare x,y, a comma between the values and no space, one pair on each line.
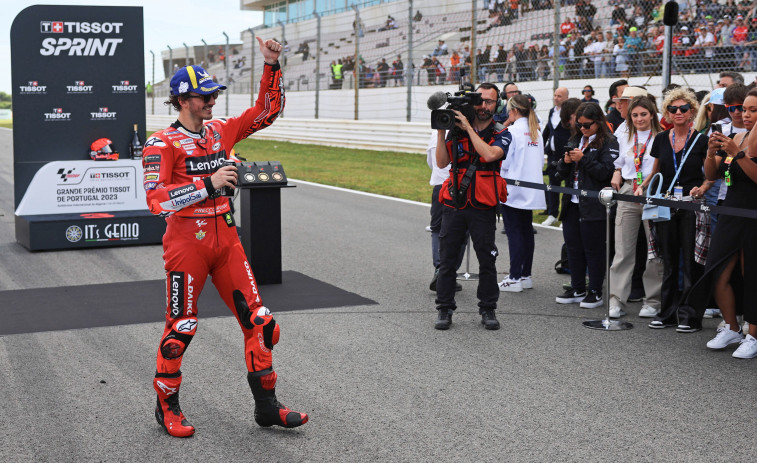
167,411
268,410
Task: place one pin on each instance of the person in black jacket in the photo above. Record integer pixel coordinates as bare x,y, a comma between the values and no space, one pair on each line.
552,131
589,165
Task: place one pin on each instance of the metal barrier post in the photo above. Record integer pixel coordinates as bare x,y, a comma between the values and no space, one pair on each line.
606,198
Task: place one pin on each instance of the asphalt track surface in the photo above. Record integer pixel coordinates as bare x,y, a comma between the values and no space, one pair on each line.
379,383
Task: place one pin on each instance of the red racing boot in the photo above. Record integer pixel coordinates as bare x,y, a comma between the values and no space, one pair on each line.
268,410
167,411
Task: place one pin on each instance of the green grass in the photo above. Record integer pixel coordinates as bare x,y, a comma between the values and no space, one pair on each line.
401,175
6,124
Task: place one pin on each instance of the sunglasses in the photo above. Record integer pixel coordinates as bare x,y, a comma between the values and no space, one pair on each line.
584,125
207,97
732,108
683,108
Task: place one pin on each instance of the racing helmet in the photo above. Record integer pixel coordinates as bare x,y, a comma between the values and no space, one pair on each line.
103,149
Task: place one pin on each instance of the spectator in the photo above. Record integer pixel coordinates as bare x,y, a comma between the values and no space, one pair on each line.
634,164
635,46
543,62
522,64
440,71
738,38
398,69
500,62
588,166
566,27
750,45
596,53
441,49
678,150
382,69
584,9
483,64
523,161
454,66
588,95
621,58
554,136
727,78
618,15
705,43
428,65
418,16
730,244
639,18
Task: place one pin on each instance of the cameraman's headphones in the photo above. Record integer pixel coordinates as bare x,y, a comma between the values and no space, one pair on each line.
502,102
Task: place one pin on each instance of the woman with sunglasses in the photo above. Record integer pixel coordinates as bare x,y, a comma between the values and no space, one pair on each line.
524,161
587,165
679,148
633,166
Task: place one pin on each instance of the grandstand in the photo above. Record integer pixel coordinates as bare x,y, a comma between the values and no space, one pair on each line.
451,21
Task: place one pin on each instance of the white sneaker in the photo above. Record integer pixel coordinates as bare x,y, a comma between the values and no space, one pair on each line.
648,312
616,312
725,338
510,286
712,313
747,349
527,282
549,220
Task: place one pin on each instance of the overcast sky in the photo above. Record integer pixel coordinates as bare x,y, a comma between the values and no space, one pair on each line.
166,23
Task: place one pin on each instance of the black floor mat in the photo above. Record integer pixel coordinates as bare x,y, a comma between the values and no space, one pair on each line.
90,306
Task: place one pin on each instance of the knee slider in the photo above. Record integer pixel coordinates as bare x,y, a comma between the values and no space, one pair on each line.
178,339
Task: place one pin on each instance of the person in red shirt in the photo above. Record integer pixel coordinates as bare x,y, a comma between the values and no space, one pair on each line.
738,37
566,27
184,173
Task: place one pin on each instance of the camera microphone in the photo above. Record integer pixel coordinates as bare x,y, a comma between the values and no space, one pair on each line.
436,100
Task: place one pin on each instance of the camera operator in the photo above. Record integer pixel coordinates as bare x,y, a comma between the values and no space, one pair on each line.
184,173
471,193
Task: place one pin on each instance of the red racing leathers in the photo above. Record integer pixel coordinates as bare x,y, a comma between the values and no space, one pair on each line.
201,239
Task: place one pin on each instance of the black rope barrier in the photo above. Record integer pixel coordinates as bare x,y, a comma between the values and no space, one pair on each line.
671,203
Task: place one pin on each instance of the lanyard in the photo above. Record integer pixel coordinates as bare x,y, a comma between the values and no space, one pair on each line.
688,134
639,156
575,175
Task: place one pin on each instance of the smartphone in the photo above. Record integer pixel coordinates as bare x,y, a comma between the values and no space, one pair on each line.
716,128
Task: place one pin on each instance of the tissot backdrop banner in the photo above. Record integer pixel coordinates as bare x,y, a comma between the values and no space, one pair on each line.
78,75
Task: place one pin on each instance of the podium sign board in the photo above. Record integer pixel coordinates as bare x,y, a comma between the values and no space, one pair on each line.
78,75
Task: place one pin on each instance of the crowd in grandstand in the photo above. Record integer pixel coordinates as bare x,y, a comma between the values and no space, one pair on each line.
711,35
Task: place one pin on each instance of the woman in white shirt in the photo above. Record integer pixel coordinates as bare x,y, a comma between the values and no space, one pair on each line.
632,167
524,161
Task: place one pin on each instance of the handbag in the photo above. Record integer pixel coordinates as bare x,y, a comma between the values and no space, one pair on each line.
662,213
654,212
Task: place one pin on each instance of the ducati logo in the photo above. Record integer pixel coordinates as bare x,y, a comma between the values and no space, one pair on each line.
200,234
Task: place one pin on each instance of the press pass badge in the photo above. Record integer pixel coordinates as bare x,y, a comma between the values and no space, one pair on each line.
678,192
